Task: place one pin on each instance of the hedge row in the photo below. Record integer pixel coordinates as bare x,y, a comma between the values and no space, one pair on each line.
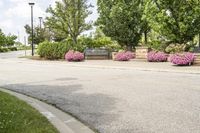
2,49
53,50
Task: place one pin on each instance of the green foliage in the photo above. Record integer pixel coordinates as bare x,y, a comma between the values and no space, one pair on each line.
2,38
102,42
107,43
98,33
21,46
39,34
121,20
175,48
68,17
3,50
7,49
10,40
179,48
57,50
53,50
12,48
156,45
178,21
85,42
7,41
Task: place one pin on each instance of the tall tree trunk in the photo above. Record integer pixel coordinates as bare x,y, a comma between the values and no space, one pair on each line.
145,37
74,38
129,47
199,40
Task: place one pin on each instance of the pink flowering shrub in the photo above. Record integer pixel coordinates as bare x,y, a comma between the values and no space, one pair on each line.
130,55
157,57
74,56
183,59
69,55
124,56
78,56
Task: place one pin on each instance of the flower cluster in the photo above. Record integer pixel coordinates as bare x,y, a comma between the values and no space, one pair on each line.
74,56
182,59
124,56
157,57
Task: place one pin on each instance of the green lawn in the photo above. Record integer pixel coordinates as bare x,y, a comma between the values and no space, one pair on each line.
17,116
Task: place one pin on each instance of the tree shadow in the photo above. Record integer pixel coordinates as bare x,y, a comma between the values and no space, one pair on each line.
95,110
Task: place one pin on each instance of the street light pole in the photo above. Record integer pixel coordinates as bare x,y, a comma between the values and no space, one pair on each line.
40,18
32,4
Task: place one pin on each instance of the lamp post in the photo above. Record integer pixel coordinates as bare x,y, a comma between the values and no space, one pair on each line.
32,4
40,19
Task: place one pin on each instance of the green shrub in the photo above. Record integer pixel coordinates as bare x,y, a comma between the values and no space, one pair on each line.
102,42
2,50
85,42
157,45
81,46
175,48
53,50
13,48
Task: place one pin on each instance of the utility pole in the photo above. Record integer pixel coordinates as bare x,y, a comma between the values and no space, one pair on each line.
25,44
40,19
18,36
32,4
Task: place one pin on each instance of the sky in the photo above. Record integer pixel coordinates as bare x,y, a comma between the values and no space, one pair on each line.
15,14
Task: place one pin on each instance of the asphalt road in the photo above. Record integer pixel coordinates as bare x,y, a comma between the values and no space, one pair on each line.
110,100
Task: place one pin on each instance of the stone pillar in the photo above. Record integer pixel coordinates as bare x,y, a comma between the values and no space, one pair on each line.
197,60
141,52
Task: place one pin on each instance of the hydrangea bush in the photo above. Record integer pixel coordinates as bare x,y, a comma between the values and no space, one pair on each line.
182,59
157,57
124,56
74,56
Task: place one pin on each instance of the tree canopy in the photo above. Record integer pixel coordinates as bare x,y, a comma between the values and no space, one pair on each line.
39,34
7,40
69,18
178,21
121,20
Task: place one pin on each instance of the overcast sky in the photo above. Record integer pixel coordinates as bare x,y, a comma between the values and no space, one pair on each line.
16,13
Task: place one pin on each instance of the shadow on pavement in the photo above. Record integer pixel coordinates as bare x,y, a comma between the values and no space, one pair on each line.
94,110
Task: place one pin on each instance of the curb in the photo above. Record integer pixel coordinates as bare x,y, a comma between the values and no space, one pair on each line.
63,122
185,71
135,68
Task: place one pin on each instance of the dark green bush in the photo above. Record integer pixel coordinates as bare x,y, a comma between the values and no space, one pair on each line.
85,42
102,42
53,50
157,45
2,50
13,48
57,50
179,48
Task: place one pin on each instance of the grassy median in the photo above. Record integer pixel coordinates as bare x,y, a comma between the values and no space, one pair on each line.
16,116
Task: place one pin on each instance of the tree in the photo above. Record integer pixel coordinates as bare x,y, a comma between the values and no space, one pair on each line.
7,40
39,34
2,38
145,24
178,21
98,33
10,40
69,18
121,20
